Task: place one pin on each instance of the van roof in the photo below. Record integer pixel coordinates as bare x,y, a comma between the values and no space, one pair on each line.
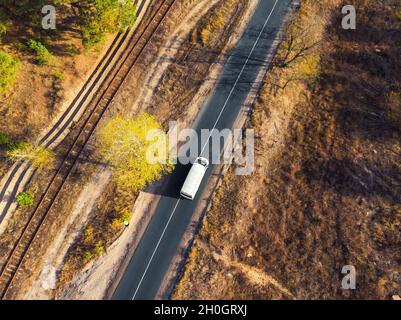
193,179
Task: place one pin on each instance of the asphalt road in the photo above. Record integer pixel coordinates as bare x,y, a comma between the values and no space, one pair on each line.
161,240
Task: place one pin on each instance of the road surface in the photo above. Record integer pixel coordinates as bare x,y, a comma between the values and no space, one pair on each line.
159,244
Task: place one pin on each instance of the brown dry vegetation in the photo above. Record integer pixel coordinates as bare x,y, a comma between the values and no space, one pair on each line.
326,188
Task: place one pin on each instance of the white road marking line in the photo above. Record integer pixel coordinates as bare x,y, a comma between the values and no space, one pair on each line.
157,246
239,76
215,124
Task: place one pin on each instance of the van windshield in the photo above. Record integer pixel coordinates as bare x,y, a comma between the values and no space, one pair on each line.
201,162
186,195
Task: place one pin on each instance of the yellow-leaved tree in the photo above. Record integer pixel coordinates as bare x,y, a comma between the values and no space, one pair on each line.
136,150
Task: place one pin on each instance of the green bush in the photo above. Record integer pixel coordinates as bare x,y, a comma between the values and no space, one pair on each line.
25,199
92,34
99,248
106,16
8,69
88,256
3,28
3,138
59,75
118,222
4,23
43,55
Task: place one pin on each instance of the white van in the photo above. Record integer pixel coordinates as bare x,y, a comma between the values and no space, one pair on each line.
194,178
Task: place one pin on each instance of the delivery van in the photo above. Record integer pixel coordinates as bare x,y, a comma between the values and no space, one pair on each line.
194,178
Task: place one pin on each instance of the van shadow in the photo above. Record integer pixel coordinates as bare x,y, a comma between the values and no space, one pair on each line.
171,185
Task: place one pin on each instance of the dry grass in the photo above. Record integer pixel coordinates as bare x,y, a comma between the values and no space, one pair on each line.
210,29
326,188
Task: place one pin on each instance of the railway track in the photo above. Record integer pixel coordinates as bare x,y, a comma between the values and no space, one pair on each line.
97,108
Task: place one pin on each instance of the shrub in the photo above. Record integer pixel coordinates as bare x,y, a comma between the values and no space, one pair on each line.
4,23
309,67
25,199
3,28
99,248
88,233
107,16
92,34
8,69
43,55
38,155
59,75
3,138
88,256
123,217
